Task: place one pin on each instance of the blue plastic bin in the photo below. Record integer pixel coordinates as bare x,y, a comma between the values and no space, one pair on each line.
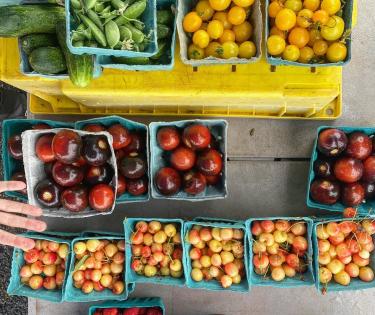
219,129
131,276
17,288
148,17
363,208
307,279
214,285
134,302
347,16
132,126
17,126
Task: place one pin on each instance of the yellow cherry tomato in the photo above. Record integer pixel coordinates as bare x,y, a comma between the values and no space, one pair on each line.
230,50
247,50
312,5
223,17
195,52
275,45
201,38
331,6
274,8
306,55
192,22
304,18
320,47
334,28
243,3
321,17
336,52
275,31
220,5
299,36
295,5
291,53
243,32
314,36
228,36
204,10
215,29
214,49
204,26
236,15
286,19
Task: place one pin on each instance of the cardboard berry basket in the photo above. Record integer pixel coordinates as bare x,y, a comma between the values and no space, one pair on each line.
133,302
332,286
17,288
17,126
73,294
214,285
132,126
131,275
363,208
306,279
219,129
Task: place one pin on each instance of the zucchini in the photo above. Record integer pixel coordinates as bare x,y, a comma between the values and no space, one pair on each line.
80,67
47,60
20,20
33,41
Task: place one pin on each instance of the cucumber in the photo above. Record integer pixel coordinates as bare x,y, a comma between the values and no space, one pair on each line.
163,31
162,49
20,20
80,67
33,41
47,60
165,17
132,61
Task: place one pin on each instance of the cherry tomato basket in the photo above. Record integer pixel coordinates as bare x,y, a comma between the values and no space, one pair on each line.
219,129
131,275
132,126
332,286
17,288
214,285
17,126
363,208
133,302
307,279
73,294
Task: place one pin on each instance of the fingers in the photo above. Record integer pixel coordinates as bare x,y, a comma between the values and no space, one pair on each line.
16,241
18,207
22,222
12,186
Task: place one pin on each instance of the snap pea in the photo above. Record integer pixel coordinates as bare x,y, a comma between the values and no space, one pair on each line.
139,25
165,17
120,5
79,43
132,12
125,33
96,31
162,48
112,33
106,10
89,4
132,61
99,7
163,31
95,18
137,35
76,4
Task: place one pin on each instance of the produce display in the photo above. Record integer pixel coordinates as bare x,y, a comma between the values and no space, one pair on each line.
156,249
77,171
99,265
280,249
345,168
194,160
309,31
44,265
220,29
217,254
345,252
129,311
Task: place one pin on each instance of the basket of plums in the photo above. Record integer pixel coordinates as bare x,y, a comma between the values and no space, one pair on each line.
342,170
188,159
130,145
70,173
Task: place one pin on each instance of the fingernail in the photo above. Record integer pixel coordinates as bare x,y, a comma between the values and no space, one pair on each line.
41,226
28,244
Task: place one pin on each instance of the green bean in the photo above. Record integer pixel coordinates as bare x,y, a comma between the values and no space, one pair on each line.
95,18
96,31
89,4
125,33
132,12
112,33
165,17
137,35
76,4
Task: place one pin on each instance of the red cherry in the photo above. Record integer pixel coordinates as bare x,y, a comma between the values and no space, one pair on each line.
352,194
121,185
210,162
183,159
75,198
101,197
121,136
168,181
43,148
94,128
196,137
359,146
332,142
348,170
194,183
369,169
137,187
67,175
41,126
66,146
15,147
168,138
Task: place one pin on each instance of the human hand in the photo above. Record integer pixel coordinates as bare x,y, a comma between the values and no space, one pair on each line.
6,218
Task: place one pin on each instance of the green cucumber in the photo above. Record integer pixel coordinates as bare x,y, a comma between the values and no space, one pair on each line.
132,61
165,17
162,49
47,60
163,31
33,41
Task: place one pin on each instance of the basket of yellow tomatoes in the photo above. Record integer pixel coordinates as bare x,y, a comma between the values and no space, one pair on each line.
219,31
311,33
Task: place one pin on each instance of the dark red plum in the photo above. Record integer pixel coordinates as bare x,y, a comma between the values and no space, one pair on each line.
67,175
121,136
48,193
359,146
194,183
15,147
348,170
196,137
332,142
75,199
168,181
102,174
369,169
168,138
210,162
133,167
43,148
183,159
137,187
95,149
353,194
325,191
323,168
66,146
